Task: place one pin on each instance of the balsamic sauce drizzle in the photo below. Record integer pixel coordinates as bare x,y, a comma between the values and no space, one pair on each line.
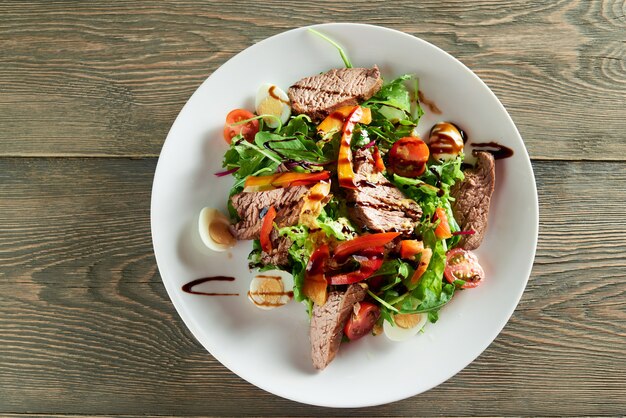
188,288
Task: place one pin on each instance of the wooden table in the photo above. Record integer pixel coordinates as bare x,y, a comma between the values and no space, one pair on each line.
88,91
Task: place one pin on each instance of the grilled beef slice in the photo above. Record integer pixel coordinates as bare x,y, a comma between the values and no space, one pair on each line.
279,256
473,195
319,95
289,203
251,208
327,323
377,204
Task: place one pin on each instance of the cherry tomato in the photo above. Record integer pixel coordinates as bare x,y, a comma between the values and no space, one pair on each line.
362,322
248,130
463,265
408,157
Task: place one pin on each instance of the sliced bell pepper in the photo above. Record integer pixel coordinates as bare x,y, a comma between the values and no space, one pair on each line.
425,256
315,285
364,242
313,203
378,160
266,229
409,248
335,121
369,260
290,178
344,162
442,231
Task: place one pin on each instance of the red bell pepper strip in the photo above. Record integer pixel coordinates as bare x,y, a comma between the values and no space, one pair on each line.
266,229
275,181
364,242
344,162
315,285
442,231
370,260
378,161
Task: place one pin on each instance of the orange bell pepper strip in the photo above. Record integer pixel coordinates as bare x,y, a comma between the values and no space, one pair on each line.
344,162
409,248
364,242
442,231
266,229
315,284
335,121
275,181
425,255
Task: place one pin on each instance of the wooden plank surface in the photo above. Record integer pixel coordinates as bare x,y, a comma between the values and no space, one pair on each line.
86,326
108,78
88,91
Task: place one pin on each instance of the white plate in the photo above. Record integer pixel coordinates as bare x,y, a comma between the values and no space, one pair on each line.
270,349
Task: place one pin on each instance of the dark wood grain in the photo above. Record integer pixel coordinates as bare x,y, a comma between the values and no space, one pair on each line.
86,326
108,78
88,92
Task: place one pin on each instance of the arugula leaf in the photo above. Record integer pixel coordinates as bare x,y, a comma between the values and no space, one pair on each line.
394,113
290,147
394,94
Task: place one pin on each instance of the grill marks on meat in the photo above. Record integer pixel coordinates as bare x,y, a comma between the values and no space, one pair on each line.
327,323
319,95
377,204
251,208
289,203
279,256
473,196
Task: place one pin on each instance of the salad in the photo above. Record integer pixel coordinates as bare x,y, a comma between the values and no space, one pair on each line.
335,188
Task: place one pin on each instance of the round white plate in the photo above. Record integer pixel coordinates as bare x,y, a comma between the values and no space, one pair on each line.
270,349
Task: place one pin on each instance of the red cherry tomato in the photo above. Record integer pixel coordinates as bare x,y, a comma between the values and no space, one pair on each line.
408,157
362,322
248,130
463,265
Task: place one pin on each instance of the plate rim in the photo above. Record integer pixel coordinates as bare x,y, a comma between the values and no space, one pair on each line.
196,330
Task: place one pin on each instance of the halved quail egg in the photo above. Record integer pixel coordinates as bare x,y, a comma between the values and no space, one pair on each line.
407,326
214,231
267,289
272,100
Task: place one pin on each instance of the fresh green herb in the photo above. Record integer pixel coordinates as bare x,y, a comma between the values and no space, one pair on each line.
344,57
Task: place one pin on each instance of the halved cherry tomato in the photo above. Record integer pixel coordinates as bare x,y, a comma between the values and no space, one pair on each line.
408,157
248,130
275,181
425,255
463,265
442,231
362,321
364,242
369,260
410,248
266,229
314,280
